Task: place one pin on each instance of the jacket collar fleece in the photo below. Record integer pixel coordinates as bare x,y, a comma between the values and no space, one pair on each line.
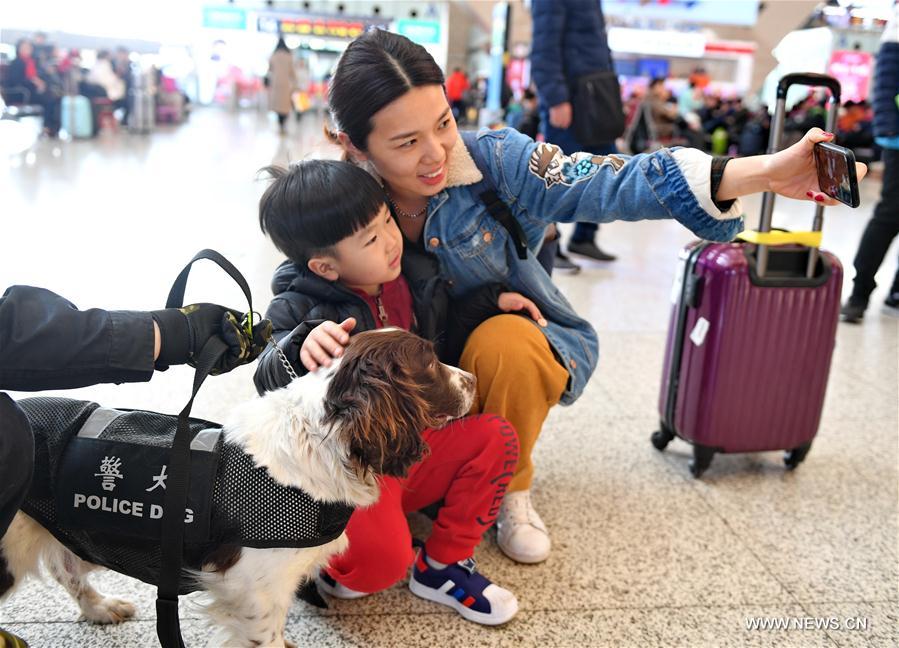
461,169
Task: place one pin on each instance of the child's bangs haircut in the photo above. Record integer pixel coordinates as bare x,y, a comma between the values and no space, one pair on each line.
311,206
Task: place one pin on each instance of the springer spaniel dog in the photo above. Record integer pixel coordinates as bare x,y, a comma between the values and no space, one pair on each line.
328,433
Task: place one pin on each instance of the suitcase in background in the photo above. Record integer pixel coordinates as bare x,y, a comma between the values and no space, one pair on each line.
77,116
141,118
142,108
752,334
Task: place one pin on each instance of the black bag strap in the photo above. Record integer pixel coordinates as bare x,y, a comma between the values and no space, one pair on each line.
485,191
168,626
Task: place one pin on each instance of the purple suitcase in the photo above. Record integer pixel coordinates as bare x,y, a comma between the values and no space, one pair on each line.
751,338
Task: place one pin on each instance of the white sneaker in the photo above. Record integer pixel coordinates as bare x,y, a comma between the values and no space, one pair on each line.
520,532
330,586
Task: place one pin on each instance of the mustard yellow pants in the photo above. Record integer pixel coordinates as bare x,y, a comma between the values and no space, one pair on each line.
519,379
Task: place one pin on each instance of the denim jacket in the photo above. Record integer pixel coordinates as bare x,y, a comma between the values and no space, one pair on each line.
541,185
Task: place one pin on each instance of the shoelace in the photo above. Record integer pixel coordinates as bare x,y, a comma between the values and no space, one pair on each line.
521,509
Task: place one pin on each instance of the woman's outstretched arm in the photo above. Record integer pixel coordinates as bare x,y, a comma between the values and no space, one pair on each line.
790,172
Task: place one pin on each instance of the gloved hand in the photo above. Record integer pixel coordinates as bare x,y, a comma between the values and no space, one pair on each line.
184,332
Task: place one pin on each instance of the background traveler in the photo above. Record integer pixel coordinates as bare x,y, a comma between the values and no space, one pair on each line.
884,224
569,41
282,81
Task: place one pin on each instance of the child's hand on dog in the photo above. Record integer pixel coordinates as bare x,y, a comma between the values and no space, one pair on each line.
325,343
510,302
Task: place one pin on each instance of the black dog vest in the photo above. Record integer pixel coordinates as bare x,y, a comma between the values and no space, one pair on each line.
99,483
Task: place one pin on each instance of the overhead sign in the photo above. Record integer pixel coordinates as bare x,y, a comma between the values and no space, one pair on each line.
319,26
720,12
656,42
423,32
224,18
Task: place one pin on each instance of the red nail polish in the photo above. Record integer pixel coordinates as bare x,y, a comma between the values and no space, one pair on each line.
827,134
819,198
809,194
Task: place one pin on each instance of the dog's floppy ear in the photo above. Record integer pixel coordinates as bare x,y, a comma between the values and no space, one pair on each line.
378,408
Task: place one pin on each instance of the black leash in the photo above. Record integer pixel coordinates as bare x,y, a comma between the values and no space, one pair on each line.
176,294
168,626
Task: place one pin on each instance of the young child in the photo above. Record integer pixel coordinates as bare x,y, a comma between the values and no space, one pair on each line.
348,271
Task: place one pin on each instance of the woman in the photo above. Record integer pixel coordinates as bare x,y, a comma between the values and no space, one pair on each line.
392,117
103,75
282,81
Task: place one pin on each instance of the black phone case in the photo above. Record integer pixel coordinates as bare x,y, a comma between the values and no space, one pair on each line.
846,153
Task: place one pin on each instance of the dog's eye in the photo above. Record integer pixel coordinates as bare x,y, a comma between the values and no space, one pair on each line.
435,369
427,371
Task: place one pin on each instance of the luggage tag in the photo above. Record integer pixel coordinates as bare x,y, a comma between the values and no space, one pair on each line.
699,332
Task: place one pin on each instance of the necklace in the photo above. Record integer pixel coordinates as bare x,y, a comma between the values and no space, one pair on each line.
406,214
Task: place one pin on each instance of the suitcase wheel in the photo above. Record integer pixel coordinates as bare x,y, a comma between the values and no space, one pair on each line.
661,438
702,457
794,457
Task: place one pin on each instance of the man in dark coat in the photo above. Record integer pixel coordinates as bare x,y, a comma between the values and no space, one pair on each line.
569,41
47,343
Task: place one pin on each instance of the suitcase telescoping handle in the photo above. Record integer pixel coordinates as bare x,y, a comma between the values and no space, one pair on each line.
808,79
774,144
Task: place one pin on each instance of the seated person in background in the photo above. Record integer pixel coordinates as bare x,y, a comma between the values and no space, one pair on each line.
121,65
70,71
809,113
690,100
102,74
667,119
170,101
529,123
25,85
711,113
854,126
699,78
664,113
348,271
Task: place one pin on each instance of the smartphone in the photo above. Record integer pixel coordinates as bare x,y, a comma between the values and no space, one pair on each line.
836,173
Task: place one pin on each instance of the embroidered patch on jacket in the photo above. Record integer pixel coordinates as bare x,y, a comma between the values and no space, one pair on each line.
554,167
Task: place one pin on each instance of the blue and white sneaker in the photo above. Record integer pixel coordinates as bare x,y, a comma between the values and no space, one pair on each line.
462,588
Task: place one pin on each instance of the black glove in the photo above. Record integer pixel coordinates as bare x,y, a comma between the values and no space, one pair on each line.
184,332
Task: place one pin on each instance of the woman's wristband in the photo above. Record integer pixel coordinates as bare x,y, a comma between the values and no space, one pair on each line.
717,173
744,176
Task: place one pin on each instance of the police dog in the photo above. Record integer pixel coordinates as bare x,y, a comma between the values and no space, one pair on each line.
329,433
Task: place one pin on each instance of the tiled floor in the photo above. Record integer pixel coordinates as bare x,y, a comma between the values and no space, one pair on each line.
644,554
